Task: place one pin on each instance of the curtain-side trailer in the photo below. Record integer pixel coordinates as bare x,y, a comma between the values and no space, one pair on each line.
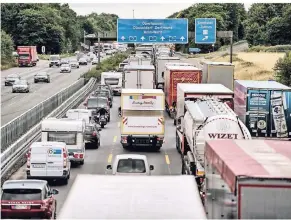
247,179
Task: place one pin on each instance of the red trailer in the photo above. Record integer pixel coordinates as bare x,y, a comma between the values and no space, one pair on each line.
173,75
27,56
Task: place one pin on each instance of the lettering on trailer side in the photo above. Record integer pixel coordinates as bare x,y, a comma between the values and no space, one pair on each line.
222,136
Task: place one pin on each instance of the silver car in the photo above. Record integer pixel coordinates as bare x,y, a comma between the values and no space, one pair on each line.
74,64
66,68
42,77
20,86
83,61
10,79
95,61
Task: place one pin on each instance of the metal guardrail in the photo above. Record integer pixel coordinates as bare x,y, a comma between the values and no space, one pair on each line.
17,150
11,131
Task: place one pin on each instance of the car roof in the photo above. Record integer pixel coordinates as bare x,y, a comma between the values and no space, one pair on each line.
24,184
40,73
13,74
132,156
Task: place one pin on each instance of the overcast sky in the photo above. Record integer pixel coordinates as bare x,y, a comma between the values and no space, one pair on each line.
125,10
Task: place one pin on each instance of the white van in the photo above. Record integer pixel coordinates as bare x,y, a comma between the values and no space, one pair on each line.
85,114
70,131
114,80
48,160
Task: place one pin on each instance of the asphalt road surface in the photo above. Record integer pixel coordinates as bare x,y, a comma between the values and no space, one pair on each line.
166,162
14,104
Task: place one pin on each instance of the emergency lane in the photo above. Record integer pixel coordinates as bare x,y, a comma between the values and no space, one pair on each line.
14,104
166,162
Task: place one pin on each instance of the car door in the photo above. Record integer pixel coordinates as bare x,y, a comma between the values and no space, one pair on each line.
55,161
97,132
38,159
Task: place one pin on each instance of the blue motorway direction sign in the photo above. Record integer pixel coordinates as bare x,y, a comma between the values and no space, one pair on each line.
196,50
152,31
205,30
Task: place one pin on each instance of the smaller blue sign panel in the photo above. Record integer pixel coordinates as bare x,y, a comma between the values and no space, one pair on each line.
194,50
173,31
205,30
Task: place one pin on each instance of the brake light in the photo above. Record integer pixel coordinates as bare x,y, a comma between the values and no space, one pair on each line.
65,158
94,133
28,158
81,156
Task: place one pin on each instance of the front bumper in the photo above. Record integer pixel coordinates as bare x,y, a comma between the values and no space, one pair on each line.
117,91
9,83
19,89
41,79
64,176
65,70
83,63
27,213
128,141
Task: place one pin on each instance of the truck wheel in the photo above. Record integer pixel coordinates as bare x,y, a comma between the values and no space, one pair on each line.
102,126
175,123
65,181
158,149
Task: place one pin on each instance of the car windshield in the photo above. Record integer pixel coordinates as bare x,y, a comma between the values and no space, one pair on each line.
96,103
82,59
41,74
54,58
66,137
21,194
89,129
74,61
12,77
102,93
66,65
20,82
131,166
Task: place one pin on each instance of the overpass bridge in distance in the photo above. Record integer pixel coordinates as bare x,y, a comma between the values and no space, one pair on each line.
107,36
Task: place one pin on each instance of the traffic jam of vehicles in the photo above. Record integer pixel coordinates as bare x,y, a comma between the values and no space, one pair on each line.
233,137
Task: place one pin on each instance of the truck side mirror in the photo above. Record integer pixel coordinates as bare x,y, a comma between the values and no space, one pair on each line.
54,192
152,167
85,104
109,167
163,74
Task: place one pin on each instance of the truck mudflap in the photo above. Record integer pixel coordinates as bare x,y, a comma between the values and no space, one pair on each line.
130,141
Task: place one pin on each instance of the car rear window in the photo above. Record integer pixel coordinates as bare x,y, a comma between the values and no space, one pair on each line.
89,129
131,166
21,194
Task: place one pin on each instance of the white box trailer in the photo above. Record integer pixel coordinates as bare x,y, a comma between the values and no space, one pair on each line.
139,77
205,120
142,123
139,60
132,197
192,92
248,179
160,67
114,80
85,114
218,72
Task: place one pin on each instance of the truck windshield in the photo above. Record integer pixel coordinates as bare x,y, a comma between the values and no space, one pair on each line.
23,56
66,137
21,194
112,81
131,166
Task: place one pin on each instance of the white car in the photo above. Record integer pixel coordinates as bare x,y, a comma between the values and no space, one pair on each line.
109,52
83,61
20,86
131,164
66,68
95,61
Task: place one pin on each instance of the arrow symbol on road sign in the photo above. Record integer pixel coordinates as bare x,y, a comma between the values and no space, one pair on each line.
122,38
182,38
162,38
142,38
205,38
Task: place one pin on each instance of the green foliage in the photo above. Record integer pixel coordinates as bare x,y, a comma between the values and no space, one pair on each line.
55,26
283,69
109,64
47,56
268,24
7,60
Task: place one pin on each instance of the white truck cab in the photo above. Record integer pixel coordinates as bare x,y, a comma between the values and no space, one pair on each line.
48,160
85,114
131,164
69,131
114,80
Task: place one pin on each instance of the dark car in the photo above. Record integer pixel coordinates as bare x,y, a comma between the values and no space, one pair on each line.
95,103
104,93
42,77
28,199
92,136
10,79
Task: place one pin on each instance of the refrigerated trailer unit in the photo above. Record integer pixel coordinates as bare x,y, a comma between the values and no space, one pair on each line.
204,120
142,123
160,68
138,77
218,72
265,107
247,179
192,92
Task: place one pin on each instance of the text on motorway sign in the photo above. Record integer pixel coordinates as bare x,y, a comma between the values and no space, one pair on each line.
205,30
152,31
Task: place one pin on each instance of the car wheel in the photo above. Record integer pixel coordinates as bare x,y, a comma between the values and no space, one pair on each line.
13,91
55,213
82,162
27,91
78,67
35,81
6,84
48,81
66,180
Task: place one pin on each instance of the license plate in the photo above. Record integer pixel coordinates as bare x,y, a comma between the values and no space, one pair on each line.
38,165
71,157
20,207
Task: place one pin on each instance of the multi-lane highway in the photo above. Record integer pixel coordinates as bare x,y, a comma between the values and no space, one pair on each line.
14,104
166,162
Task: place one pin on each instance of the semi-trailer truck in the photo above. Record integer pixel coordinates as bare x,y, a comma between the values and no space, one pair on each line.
27,56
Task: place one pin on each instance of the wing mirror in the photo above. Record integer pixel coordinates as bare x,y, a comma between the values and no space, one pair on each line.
163,74
109,167
152,167
85,104
54,192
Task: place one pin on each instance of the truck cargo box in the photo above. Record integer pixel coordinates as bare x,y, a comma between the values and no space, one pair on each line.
248,179
133,197
264,106
218,72
139,60
192,92
179,74
139,77
27,55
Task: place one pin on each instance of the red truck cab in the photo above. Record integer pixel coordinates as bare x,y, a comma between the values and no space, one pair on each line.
27,56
